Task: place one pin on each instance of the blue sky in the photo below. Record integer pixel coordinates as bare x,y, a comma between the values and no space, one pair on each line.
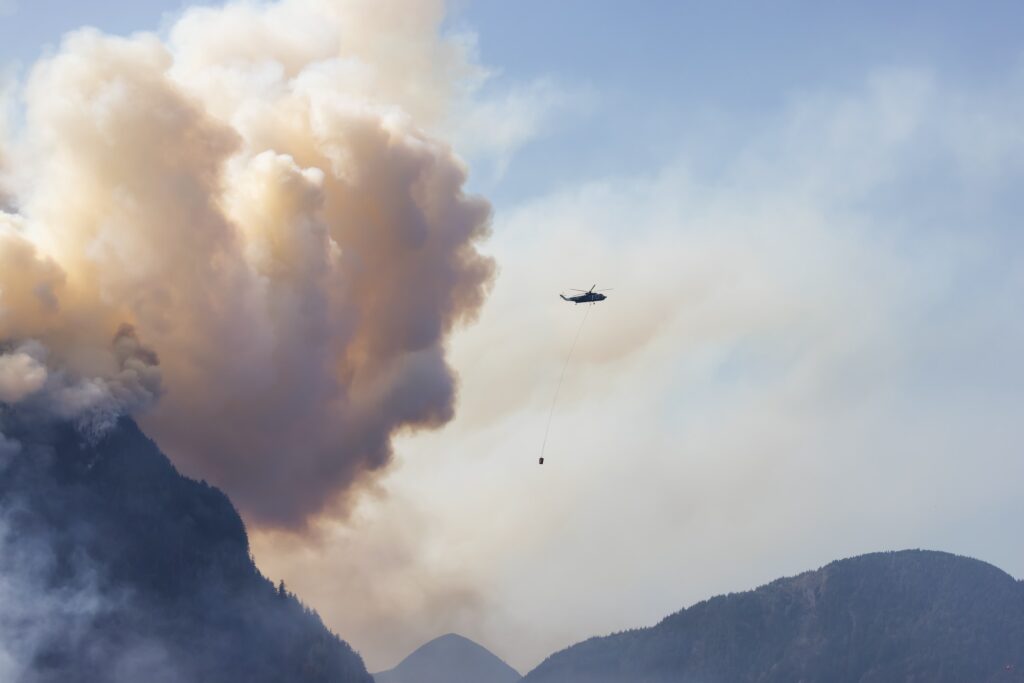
810,213
663,68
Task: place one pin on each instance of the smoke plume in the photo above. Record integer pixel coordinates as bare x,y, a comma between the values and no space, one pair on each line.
245,234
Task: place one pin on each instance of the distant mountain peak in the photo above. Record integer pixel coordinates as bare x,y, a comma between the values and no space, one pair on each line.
451,637
453,642
450,658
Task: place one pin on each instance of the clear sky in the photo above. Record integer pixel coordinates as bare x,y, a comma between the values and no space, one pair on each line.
810,213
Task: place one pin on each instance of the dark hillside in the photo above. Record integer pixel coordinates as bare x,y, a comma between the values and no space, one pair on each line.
120,569
913,616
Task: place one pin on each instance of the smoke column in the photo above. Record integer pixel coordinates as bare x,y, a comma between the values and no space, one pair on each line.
244,235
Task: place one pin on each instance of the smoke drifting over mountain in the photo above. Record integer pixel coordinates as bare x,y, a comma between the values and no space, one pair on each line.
245,232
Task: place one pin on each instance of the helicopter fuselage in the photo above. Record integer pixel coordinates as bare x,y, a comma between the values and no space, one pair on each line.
587,298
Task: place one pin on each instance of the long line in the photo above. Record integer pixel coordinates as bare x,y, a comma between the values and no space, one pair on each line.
561,376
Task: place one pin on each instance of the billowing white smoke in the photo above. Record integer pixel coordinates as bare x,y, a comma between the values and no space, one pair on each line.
255,203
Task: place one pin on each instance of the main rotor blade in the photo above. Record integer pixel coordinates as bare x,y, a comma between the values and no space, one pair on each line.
573,289
592,289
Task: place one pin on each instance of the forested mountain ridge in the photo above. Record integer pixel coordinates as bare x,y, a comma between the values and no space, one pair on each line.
914,616
114,567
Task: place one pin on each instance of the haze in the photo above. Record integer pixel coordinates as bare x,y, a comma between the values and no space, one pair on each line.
810,218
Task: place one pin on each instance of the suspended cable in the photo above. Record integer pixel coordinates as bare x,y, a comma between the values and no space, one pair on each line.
558,388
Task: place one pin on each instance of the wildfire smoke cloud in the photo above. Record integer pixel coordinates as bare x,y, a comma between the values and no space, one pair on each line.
253,201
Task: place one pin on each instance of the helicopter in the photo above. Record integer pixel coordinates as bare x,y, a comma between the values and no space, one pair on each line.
587,297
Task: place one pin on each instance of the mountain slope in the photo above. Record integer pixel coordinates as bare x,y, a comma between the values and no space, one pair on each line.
113,567
450,659
913,616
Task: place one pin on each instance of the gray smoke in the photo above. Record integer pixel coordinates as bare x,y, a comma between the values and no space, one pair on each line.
43,614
